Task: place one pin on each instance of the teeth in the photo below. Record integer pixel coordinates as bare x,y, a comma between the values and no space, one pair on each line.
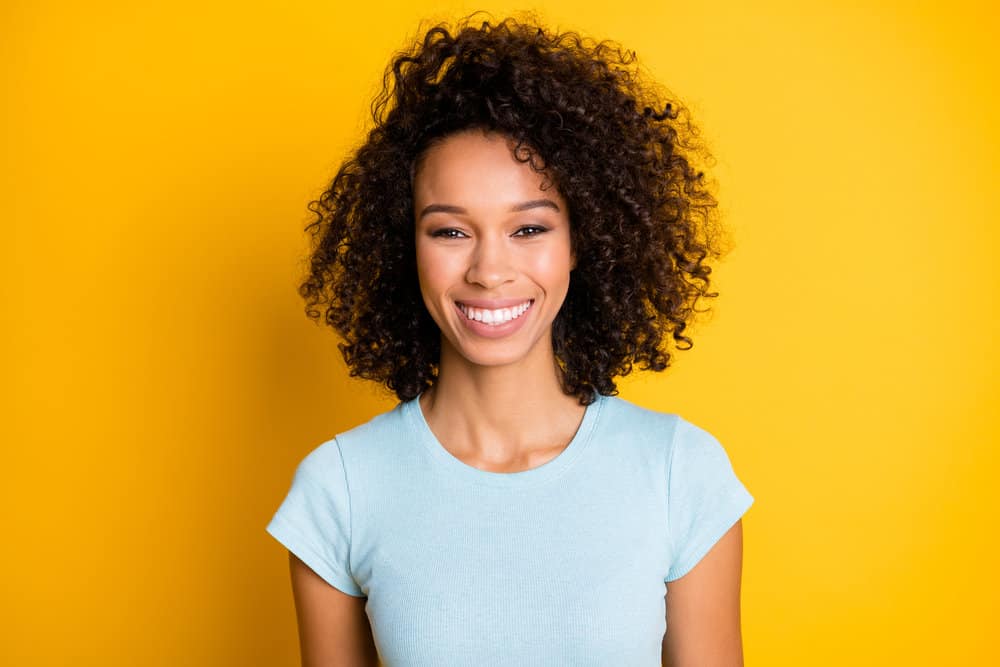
494,317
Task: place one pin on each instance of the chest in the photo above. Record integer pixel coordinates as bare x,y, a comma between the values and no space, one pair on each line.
463,575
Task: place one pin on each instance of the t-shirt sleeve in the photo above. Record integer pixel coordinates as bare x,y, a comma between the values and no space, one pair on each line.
705,498
314,520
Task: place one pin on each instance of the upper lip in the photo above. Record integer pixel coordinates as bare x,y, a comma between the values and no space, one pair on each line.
492,304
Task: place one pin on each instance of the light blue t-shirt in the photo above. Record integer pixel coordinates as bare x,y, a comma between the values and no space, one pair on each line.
562,564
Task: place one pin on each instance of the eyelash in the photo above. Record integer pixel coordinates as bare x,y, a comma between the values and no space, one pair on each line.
447,233
526,231
536,230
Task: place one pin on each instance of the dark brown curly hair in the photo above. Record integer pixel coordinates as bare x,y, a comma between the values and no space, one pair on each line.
642,216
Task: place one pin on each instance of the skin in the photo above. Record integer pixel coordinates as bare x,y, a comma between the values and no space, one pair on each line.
703,609
498,404
334,630
486,228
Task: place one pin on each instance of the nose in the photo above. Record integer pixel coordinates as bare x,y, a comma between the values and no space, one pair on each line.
490,264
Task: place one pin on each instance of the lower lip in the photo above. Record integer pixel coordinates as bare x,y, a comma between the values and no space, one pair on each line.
494,330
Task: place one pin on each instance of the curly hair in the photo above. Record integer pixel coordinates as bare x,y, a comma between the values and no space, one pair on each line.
642,216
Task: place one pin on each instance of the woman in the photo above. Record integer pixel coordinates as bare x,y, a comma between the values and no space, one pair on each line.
523,224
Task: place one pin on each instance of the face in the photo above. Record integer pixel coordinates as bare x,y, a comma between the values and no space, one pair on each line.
493,251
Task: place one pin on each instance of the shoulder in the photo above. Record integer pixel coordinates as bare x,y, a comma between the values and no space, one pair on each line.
666,432
631,416
695,445
379,430
369,438
639,424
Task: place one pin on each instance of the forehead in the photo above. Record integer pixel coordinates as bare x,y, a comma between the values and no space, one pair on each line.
473,167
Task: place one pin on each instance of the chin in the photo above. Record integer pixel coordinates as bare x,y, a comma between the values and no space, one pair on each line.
493,354
492,359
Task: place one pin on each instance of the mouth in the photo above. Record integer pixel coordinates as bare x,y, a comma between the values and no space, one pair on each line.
495,317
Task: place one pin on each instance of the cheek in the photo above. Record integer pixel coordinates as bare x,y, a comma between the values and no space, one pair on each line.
435,271
553,267
425,272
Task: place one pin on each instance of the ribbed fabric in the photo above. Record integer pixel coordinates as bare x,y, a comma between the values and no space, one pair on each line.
563,564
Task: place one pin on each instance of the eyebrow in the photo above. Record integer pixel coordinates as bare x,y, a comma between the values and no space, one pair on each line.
523,206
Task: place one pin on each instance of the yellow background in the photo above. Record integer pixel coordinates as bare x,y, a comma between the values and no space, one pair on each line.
162,381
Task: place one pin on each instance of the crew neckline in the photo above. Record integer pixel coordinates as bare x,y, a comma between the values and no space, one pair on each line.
546,471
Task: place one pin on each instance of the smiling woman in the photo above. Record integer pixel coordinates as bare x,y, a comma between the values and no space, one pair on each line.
523,225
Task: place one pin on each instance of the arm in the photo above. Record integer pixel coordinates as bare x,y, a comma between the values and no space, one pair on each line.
703,609
333,628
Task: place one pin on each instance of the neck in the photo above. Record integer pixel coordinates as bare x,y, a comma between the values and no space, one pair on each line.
500,413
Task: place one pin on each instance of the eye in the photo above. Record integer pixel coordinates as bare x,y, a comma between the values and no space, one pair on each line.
530,230
447,233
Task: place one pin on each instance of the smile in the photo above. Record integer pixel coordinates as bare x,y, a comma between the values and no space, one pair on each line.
495,317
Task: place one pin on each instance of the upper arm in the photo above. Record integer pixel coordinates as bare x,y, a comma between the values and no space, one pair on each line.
333,627
703,609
